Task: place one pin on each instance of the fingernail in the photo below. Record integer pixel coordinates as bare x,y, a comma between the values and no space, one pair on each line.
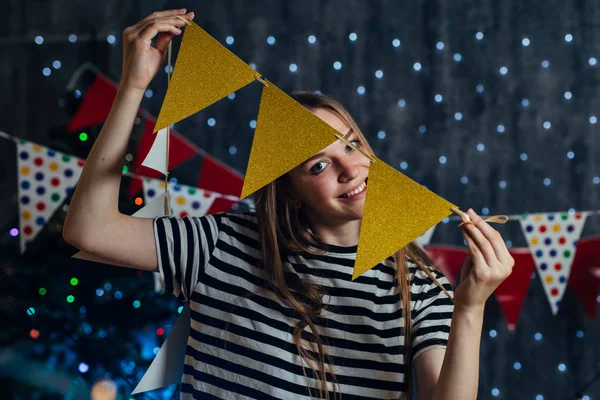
471,213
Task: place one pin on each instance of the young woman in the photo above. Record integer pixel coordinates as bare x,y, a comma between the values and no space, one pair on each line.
275,314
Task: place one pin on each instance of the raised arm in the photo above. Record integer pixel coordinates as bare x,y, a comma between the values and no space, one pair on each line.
94,223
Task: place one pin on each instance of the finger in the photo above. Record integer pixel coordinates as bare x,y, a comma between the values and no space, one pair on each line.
139,26
476,255
162,42
482,243
158,27
170,20
165,13
492,235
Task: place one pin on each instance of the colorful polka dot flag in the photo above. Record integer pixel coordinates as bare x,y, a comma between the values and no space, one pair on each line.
185,200
552,239
46,178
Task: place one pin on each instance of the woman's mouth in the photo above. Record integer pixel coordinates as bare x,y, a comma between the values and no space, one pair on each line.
356,192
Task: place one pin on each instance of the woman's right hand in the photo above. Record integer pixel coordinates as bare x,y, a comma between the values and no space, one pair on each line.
141,60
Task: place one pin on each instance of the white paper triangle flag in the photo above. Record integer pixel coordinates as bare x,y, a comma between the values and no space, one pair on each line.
157,156
552,239
167,367
425,238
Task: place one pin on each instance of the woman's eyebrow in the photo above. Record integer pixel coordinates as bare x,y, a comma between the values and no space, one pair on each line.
320,154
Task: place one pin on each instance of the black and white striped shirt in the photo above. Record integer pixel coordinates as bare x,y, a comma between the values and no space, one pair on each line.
240,344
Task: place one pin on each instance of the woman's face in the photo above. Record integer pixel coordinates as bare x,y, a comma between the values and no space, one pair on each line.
331,185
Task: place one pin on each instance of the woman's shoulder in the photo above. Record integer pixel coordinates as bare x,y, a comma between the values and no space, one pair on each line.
239,222
244,218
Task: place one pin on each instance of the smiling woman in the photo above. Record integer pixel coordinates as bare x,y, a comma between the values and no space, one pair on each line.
275,313
304,220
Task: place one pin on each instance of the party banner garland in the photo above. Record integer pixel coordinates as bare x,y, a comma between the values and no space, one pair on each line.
286,135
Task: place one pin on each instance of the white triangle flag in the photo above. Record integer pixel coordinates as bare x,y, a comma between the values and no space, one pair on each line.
46,178
552,239
157,156
167,367
425,238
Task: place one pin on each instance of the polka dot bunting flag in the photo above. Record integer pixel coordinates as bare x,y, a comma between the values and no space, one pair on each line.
552,239
46,178
185,200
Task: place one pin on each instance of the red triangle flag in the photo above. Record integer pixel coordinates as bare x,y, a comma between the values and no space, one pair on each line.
449,260
179,152
585,274
219,178
96,104
512,292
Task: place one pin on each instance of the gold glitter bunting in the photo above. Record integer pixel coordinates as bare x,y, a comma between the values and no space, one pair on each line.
204,73
286,135
401,207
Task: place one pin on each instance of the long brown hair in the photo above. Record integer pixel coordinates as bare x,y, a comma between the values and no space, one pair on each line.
283,230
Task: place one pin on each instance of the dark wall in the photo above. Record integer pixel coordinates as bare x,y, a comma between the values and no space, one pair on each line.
550,80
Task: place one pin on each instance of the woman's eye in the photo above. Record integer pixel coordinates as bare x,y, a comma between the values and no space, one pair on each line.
355,142
318,167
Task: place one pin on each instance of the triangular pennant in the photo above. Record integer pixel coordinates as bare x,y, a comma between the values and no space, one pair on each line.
153,209
180,151
512,292
218,177
46,178
552,239
286,135
96,104
449,260
584,280
156,158
425,238
405,208
205,72
167,368
185,200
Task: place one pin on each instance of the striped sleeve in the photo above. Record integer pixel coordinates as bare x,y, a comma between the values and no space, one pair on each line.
431,313
184,246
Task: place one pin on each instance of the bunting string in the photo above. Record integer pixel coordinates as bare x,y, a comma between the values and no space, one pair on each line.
141,177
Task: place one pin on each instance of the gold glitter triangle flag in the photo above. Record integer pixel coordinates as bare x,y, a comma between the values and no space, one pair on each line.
204,73
397,211
286,135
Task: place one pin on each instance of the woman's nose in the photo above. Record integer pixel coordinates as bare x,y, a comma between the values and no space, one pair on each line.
348,170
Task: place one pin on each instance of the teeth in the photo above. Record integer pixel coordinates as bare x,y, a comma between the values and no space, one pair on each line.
356,191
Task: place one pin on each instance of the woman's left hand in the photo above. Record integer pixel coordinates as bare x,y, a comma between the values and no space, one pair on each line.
488,265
